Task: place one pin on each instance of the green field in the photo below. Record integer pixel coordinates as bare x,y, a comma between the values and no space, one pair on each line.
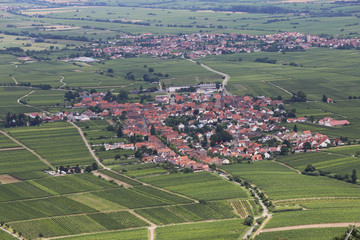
188,213
333,160
20,190
59,143
6,236
279,182
19,161
6,142
136,234
227,229
70,225
317,211
316,234
202,186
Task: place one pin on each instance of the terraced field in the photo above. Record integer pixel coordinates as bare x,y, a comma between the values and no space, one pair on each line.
201,186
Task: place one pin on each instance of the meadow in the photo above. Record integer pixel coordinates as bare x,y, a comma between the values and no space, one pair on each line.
201,186
279,182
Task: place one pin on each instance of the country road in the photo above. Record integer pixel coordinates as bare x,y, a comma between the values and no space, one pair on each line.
88,146
283,89
14,235
225,75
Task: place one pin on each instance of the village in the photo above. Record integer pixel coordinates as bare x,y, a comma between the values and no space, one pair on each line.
199,130
198,45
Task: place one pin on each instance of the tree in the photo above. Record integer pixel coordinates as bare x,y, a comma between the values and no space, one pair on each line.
307,146
295,128
151,70
324,98
354,176
110,70
310,168
94,166
120,132
284,150
152,130
249,220
88,169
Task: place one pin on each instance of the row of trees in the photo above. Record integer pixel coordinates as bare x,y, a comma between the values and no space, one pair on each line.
13,120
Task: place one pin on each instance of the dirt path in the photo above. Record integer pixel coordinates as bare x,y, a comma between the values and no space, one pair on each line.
16,82
29,149
285,165
225,75
25,97
118,182
320,225
14,235
9,149
88,146
152,227
62,82
280,88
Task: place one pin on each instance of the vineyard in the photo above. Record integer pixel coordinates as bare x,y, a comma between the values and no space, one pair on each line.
245,207
188,213
120,177
70,225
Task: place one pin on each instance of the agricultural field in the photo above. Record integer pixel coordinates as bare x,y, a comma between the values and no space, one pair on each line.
19,191
121,177
140,197
6,236
8,101
29,175
72,184
224,229
188,213
134,234
342,110
339,210
59,143
21,160
146,172
279,182
6,142
333,160
245,208
299,234
318,72
41,208
201,186
72,225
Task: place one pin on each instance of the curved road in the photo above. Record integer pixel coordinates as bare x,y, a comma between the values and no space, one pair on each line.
62,82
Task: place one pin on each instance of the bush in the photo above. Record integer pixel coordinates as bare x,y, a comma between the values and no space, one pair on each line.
249,221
